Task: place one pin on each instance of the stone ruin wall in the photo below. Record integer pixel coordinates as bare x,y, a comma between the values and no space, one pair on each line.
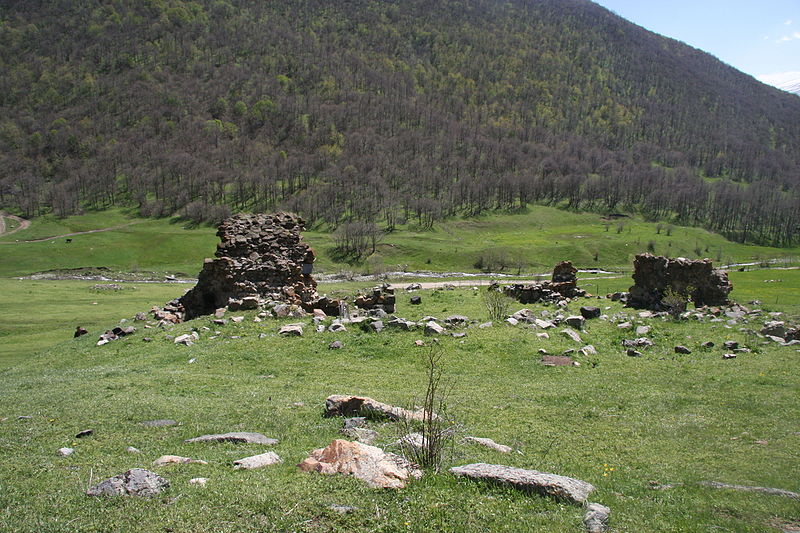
563,284
260,258
698,280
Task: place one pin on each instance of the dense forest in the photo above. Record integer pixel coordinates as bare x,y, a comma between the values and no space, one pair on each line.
384,110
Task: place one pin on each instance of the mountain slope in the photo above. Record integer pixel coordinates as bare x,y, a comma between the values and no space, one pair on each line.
365,109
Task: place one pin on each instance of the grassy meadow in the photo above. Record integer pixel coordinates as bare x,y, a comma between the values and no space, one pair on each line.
662,418
534,240
618,422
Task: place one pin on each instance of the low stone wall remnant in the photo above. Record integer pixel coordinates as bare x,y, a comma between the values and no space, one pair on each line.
564,284
699,281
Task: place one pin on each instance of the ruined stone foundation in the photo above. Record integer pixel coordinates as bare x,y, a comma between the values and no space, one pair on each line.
698,280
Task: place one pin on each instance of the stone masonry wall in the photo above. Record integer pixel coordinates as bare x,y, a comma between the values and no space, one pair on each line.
699,280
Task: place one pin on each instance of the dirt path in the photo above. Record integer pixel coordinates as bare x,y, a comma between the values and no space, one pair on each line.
475,282
24,224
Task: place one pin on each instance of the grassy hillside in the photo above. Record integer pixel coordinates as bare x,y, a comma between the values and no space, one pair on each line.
362,109
615,421
536,238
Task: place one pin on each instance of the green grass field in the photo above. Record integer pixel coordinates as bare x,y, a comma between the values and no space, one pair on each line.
661,418
538,238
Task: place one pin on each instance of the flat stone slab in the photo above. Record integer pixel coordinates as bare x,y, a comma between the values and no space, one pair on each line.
557,360
342,405
258,461
236,436
572,334
176,460
489,443
134,482
561,487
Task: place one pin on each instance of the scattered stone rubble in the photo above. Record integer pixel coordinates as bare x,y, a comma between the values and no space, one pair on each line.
382,297
654,275
564,284
114,334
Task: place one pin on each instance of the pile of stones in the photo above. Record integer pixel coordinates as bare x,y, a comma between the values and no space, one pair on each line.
382,297
563,286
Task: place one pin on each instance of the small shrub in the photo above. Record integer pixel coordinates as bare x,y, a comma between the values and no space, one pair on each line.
496,303
436,427
675,302
651,246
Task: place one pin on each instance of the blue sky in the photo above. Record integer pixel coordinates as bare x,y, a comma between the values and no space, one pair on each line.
759,37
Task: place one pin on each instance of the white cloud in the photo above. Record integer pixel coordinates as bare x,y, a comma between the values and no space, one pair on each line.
788,22
787,38
780,79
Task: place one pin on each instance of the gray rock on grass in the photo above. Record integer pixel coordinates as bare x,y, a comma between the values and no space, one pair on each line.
432,328
134,482
641,342
176,460
571,334
588,312
362,435
292,330
236,436
560,487
575,321
596,518
489,443
258,461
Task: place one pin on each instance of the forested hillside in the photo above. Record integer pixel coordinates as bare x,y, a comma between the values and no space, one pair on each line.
370,110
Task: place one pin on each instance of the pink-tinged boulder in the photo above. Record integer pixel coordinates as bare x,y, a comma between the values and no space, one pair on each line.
372,465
